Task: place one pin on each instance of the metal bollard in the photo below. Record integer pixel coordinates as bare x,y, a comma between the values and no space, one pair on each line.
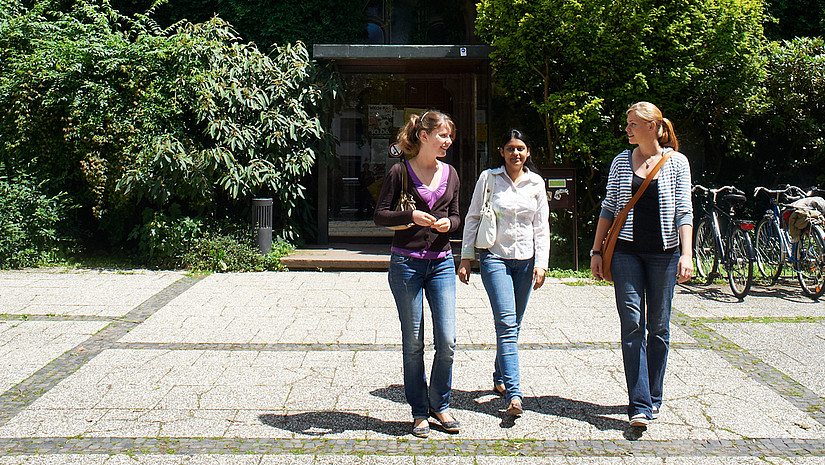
263,220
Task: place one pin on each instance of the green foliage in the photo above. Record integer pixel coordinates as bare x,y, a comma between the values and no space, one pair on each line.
125,115
164,239
169,240
790,132
29,224
226,253
580,64
566,273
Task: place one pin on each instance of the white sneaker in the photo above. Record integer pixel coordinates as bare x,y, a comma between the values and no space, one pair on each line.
655,412
640,419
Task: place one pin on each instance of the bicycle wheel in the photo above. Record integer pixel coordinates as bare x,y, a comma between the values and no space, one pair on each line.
810,256
768,249
740,263
704,250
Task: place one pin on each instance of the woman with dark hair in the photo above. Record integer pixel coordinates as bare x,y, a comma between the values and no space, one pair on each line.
646,261
422,262
517,261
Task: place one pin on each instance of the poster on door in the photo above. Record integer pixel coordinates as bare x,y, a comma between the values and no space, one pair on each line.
380,120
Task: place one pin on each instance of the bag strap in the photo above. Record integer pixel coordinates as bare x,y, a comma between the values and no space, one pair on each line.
405,175
490,185
648,179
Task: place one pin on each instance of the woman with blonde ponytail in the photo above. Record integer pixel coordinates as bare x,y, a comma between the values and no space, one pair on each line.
422,262
647,261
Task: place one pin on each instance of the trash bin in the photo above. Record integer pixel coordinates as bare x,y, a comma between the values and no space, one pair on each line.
263,221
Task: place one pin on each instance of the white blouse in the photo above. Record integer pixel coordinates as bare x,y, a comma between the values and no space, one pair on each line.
522,217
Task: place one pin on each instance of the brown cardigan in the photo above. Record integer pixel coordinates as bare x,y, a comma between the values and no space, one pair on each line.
417,237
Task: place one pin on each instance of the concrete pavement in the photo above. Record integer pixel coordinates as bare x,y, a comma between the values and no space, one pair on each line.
100,367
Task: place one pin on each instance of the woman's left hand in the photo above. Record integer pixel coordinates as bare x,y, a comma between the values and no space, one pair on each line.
685,269
538,277
442,225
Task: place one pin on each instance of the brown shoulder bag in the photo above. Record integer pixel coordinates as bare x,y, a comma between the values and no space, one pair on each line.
405,200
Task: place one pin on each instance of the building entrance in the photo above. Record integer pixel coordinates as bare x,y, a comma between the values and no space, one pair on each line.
383,86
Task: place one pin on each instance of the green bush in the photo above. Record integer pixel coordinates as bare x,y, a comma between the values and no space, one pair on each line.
165,238
171,240
125,115
29,224
226,253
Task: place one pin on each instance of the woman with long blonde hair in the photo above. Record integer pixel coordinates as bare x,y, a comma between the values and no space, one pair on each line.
653,252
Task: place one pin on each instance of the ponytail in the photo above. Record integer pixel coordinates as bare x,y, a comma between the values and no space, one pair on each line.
667,138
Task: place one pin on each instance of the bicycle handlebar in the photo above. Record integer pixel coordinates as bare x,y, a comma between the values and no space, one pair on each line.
717,191
791,192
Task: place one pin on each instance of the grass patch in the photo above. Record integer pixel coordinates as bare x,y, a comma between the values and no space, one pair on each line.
566,273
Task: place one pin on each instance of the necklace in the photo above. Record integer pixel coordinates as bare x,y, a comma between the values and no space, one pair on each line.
647,161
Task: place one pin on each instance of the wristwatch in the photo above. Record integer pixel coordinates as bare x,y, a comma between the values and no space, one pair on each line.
595,252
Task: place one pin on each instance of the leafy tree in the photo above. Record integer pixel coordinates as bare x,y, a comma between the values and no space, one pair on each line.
790,133
122,114
580,64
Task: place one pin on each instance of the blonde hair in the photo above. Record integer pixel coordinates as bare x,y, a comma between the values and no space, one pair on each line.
429,121
664,128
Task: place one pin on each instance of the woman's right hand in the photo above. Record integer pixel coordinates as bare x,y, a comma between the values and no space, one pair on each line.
596,267
464,271
423,218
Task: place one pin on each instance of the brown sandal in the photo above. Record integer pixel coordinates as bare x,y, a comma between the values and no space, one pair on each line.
515,409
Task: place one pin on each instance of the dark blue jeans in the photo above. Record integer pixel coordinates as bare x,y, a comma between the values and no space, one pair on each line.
508,284
644,284
410,278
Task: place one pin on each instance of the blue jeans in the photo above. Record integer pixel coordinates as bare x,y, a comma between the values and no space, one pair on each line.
508,284
644,284
409,279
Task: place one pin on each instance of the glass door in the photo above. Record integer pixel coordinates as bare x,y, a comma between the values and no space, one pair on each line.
376,107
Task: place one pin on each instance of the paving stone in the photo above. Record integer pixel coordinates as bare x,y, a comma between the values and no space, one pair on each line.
26,346
305,368
796,349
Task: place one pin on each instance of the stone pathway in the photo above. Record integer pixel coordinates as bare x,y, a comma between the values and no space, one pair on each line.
305,367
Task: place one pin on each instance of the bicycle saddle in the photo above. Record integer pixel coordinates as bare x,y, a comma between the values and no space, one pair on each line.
735,199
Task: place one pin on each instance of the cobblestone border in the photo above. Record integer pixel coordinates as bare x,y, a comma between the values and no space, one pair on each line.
27,317
32,388
337,347
797,394
786,447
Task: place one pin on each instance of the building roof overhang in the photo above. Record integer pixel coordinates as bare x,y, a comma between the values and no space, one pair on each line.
404,58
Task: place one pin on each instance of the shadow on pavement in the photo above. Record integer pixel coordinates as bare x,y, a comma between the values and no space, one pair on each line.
332,422
722,293
600,416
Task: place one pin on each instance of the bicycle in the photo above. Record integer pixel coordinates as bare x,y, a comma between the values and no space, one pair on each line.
774,247
735,252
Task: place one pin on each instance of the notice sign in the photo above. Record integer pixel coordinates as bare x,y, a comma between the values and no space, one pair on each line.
561,187
380,120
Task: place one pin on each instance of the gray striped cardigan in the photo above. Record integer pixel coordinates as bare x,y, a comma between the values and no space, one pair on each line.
675,206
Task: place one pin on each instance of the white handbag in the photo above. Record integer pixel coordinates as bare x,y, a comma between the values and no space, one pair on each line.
486,235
